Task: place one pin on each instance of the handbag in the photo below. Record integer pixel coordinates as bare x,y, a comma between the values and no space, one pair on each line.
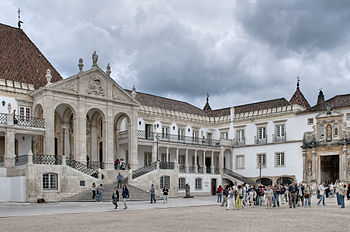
307,195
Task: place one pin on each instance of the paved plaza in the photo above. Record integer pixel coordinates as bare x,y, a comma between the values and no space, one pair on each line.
197,214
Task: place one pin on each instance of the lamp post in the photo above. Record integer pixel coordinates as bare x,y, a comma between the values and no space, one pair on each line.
157,137
260,164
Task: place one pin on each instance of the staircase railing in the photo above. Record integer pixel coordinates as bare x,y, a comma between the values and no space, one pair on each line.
167,165
82,167
141,171
239,177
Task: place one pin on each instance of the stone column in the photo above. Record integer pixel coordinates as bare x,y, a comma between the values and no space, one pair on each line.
80,132
9,156
212,167
304,165
109,141
344,164
195,162
49,116
186,162
204,167
154,152
314,165
177,156
133,147
65,142
221,161
167,155
30,157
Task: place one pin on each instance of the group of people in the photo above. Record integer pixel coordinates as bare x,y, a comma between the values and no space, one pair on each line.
243,195
341,190
153,194
120,164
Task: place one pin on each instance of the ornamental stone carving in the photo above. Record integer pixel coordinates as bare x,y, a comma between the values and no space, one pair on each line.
117,96
72,87
96,86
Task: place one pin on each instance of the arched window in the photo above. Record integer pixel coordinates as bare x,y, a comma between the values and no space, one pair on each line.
182,183
50,181
165,181
198,183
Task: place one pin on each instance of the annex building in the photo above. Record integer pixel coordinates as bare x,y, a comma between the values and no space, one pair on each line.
59,135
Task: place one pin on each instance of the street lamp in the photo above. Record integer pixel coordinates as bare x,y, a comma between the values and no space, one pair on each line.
157,137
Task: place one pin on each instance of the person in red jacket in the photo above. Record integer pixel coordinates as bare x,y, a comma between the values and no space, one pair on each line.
219,192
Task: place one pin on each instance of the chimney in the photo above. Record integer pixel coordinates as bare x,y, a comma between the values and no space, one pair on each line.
320,98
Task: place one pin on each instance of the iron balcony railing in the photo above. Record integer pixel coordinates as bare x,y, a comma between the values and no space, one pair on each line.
239,143
192,169
182,168
95,164
82,167
47,159
167,165
21,160
208,170
279,139
178,139
261,140
3,118
24,121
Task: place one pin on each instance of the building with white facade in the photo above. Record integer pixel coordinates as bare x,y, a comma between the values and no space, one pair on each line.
58,136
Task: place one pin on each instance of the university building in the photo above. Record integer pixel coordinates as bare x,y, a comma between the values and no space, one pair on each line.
59,135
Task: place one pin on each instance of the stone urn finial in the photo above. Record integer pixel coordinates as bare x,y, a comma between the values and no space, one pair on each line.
81,64
94,59
48,76
108,70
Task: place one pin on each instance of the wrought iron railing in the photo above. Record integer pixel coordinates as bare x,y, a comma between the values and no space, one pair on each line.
24,121
21,160
260,140
239,177
178,139
182,168
95,164
47,159
239,143
279,139
141,171
3,118
208,170
167,165
82,167
191,169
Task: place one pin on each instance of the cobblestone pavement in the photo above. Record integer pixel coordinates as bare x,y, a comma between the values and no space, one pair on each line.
192,218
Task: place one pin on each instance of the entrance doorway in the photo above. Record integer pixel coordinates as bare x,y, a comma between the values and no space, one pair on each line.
329,168
213,186
101,154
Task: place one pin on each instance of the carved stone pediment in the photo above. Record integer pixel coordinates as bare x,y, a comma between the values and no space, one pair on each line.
71,87
119,96
96,86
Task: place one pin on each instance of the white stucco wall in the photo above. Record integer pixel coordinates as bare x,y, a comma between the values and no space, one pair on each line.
206,182
11,100
13,189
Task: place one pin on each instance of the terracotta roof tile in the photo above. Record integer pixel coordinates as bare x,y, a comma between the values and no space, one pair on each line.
337,101
299,99
21,60
261,105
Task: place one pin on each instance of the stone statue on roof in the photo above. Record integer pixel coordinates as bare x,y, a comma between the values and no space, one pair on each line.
94,59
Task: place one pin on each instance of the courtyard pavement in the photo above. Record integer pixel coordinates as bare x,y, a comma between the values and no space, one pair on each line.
197,214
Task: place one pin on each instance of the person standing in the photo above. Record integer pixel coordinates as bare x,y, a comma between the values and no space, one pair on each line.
276,195
342,192
301,189
153,194
307,195
93,189
225,194
165,194
239,197
269,196
283,194
125,195
219,192
230,199
348,192
115,198
293,191
252,196
120,179
336,185
99,193
321,190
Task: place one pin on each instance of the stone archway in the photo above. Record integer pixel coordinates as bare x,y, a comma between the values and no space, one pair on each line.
122,137
64,131
95,138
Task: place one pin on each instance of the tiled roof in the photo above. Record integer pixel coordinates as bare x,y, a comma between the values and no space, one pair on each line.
220,112
299,99
21,60
335,102
261,105
167,103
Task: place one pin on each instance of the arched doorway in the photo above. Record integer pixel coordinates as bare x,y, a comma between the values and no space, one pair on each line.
95,138
265,181
64,131
38,140
227,182
122,137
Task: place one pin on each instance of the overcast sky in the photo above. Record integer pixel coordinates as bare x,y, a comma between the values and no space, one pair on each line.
238,51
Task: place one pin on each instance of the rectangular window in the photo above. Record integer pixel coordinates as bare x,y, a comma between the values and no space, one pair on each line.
165,132
261,132
180,134
261,160
181,159
198,184
240,162
24,113
50,181
280,130
240,135
321,131
195,135
224,135
182,183
335,129
163,158
310,121
280,159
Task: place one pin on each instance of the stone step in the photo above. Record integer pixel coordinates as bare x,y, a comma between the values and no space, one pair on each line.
136,194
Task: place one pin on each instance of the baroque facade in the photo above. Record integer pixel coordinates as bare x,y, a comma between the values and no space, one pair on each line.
58,136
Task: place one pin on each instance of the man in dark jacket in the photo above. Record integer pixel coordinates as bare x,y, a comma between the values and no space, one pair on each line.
293,189
224,194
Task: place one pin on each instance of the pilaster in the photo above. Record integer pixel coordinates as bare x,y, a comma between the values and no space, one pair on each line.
9,156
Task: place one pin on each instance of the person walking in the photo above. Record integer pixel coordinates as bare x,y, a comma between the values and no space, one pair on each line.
219,192
99,193
239,197
225,194
276,195
269,193
153,194
301,189
252,196
230,199
120,179
93,189
307,195
321,190
293,190
115,198
336,185
165,194
282,194
125,195
342,192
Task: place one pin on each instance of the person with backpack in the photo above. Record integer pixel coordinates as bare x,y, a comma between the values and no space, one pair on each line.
115,198
342,192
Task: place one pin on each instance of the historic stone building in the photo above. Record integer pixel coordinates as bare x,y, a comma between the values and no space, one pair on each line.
58,136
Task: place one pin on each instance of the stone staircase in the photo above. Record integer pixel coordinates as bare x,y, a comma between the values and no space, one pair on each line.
141,171
239,177
136,194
